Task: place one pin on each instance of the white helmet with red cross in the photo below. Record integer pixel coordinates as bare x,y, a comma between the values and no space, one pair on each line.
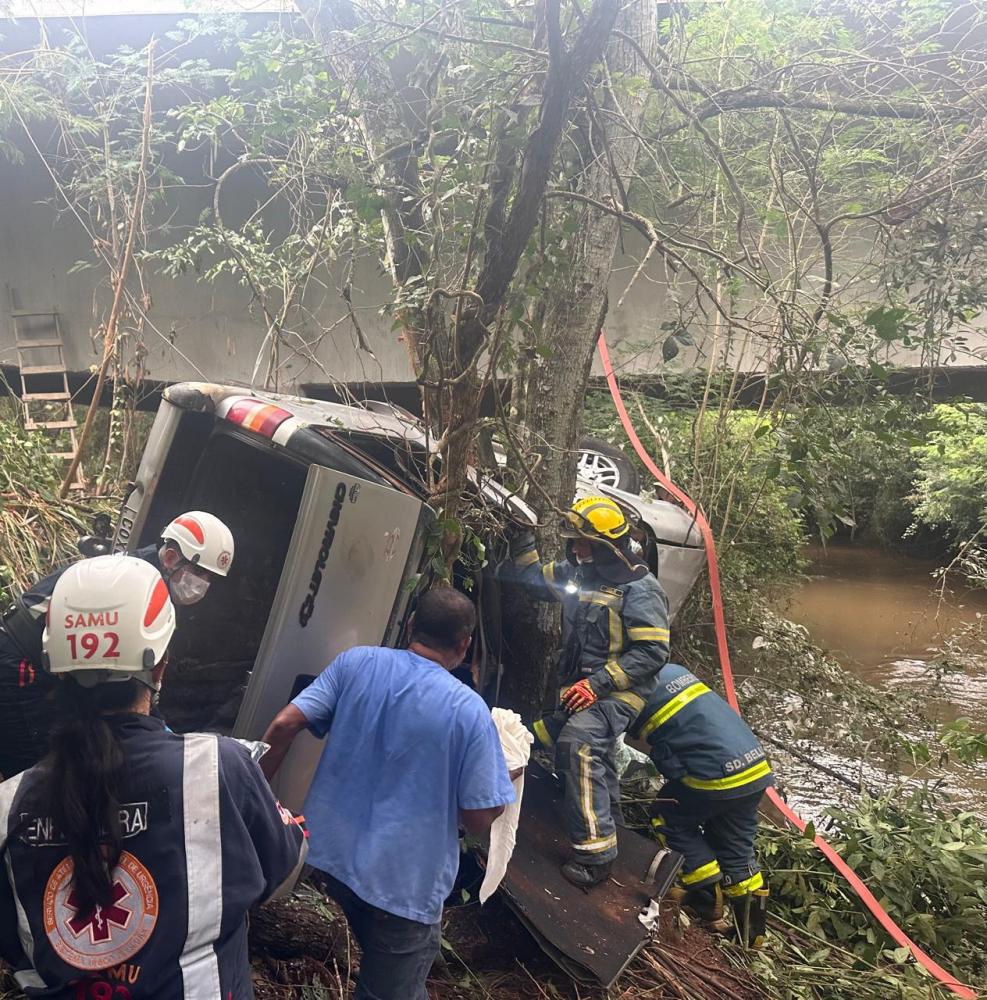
203,540
110,619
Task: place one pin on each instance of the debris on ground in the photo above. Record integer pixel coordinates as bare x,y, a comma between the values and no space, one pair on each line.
486,952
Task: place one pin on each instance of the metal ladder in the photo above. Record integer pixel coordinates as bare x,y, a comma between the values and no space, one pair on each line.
41,362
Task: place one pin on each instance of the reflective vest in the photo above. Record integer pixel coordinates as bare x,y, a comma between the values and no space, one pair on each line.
203,841
698,739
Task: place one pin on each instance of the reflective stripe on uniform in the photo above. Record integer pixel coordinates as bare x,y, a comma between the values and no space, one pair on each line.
672,706
548,575
598,597
596,846
541,731
204,867
612,667
526,559
635,701
711,870
658,829
629,698
744,777
619,675
616,633
8,791
586,792
648,634
29,978
756,881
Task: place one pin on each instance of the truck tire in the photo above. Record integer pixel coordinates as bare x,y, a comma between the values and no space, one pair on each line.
604,463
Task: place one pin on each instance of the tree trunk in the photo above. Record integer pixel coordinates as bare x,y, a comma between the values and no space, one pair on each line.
391,153
574,312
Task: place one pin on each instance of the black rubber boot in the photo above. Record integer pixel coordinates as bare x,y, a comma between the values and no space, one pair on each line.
750,915
586,876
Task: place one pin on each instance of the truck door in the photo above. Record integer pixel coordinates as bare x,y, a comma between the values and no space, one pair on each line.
353,547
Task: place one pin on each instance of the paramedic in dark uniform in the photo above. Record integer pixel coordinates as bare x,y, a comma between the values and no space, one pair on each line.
195,549
716,773
133,854
614,642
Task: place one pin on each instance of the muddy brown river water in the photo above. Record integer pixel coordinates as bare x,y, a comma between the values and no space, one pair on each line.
883,617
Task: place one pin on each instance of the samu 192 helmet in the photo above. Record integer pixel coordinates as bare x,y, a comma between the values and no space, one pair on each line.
110,619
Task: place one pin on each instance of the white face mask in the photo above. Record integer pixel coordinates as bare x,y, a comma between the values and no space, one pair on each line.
584,561
187,587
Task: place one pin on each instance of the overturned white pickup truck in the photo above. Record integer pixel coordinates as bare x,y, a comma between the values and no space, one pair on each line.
327,506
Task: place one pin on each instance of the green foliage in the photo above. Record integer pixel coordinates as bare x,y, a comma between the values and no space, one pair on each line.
926,865
951,480
25,463
37,529
736,474
854,465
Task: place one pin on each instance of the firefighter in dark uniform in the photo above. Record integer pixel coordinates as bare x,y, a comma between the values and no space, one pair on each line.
133,854
716,773
614,641
196,547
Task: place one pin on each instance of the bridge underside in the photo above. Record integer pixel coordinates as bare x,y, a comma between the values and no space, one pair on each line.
681,390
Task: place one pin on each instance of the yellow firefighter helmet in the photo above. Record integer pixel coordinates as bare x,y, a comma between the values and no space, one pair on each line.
595,518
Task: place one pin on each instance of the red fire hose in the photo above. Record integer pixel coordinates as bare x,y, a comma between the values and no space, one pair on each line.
894,931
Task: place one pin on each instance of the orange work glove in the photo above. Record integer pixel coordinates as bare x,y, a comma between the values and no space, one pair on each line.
581,695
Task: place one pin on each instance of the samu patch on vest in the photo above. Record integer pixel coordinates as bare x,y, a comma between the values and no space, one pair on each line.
108,935
612,591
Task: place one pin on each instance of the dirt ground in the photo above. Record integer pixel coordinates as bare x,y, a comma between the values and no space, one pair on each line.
301,949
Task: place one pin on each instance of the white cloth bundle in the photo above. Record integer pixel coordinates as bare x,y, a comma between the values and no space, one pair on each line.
515,741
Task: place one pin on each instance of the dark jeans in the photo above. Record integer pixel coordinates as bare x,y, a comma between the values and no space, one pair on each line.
397,952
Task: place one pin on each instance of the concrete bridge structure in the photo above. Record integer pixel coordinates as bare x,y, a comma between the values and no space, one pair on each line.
196,330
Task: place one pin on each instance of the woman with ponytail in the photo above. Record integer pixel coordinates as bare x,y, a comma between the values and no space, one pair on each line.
132,854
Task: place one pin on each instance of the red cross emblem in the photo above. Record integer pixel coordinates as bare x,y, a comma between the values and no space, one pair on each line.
98,921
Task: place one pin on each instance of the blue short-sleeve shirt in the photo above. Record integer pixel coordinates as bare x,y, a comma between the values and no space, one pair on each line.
409,746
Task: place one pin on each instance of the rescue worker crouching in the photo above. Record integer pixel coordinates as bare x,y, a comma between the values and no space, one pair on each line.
194,549
132,854
716,773
614,641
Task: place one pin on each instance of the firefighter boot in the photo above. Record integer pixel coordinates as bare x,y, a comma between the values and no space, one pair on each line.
586,876
706,904
679,895
750,913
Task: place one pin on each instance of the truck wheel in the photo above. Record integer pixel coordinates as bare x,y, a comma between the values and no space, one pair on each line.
604,463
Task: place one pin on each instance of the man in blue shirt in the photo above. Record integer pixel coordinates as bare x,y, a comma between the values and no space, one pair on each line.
413,756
